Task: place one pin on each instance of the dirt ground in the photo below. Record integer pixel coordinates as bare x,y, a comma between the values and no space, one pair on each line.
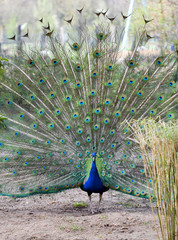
56,217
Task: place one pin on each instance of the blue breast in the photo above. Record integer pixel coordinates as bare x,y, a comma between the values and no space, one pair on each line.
94,184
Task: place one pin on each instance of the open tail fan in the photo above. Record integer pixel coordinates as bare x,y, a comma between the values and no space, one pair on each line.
75,99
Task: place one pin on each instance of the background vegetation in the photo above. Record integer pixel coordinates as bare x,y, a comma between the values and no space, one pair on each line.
25,13
159,144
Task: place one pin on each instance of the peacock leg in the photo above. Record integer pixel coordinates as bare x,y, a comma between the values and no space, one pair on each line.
91,210
100,198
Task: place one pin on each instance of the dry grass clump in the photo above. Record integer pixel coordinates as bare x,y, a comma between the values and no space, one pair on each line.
159,144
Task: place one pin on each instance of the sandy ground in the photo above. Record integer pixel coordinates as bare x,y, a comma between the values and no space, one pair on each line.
55,217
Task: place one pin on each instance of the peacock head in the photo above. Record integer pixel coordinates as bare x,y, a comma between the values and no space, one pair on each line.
94,156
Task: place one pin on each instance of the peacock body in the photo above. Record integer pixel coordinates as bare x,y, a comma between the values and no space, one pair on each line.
67,113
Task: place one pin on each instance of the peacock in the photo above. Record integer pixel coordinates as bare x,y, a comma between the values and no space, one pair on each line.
67,112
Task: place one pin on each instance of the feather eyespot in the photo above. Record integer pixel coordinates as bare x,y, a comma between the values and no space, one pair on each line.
109,83
41,80
92,92
57,111
51,125
41,112
123,97
112,132
110,67
77,143
65,80
152,112
79,131
87,152
32,97
81,103
62,141
159,61
8,102
87,119
113,145
171,83
101,36
140,93
19,84
107,101
13,196
145,78
78,67
78,84
52,94
102,140
79,154
161,98
132,165
131,81
96,127
131,63
22,189
21,116
97,111
75,46
117,114
170,115
109,175
30,62
123,172
97,54
34,125
67,127
94,73
106,121
68,98
75,115
54,61
132,111
88,139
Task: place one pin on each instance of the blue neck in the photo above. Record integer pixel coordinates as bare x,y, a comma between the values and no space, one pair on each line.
93,183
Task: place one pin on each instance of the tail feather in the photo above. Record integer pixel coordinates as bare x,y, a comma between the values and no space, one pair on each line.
77,99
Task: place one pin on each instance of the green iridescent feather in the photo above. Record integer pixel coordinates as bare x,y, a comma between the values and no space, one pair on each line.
63,104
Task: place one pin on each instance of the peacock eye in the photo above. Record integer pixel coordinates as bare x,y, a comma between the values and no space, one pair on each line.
170,116
64,80
131,63
97,54
109,67
123,97
140,93
52,94
19,84
55,61
94,73
75,46
68,98
159,62
171,83
101,36
145,78
30,62
78,67
109,83
152,112
41,80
